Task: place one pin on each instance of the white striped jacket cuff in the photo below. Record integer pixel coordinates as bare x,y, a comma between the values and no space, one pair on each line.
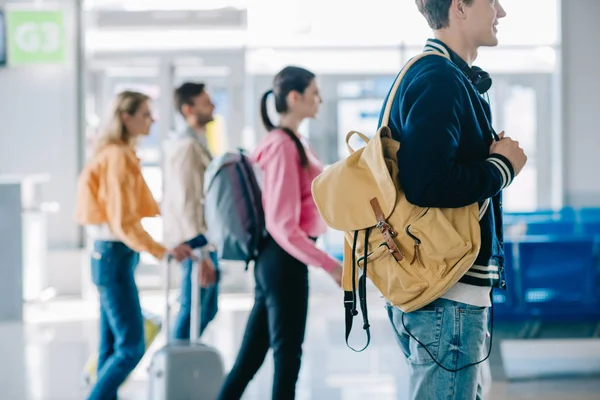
506,170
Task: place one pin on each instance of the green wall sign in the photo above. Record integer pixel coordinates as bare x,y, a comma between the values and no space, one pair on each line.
35,36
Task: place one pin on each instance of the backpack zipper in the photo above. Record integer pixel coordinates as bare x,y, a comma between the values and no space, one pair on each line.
416,239
417,242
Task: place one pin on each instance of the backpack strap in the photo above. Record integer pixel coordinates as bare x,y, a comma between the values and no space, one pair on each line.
390,98
246,175
350,296
386,230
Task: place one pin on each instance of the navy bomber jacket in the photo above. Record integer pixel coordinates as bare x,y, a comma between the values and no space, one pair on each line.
444,126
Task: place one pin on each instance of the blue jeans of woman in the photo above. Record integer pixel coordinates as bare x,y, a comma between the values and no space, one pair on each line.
209,299
121,323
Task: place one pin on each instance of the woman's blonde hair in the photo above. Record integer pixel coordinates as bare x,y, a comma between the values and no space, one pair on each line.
114,131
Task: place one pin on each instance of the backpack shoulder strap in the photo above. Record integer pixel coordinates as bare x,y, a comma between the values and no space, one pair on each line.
392,94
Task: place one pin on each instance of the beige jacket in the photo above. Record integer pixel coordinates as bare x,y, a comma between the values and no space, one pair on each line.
186,158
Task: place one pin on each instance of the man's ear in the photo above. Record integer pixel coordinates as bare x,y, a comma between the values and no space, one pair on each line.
458,8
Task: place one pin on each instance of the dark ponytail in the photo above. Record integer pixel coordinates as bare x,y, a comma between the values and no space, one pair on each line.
264,114
287,80
299,146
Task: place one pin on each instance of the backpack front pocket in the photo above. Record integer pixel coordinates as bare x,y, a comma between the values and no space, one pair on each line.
399,282
437,244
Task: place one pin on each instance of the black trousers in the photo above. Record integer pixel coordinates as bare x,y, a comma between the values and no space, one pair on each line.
277,321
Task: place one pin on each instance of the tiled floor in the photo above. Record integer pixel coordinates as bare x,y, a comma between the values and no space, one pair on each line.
43,358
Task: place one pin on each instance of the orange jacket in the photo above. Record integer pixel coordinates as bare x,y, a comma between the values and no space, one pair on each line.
111,190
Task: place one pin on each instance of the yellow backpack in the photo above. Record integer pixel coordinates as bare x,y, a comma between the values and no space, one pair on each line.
413,255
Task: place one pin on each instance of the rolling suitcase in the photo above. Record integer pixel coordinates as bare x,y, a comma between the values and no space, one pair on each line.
184,370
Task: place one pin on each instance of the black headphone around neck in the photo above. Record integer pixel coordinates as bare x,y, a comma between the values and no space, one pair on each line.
478,77
481,79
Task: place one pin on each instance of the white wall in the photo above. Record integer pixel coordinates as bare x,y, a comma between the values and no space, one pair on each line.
39,129
581,101
39,133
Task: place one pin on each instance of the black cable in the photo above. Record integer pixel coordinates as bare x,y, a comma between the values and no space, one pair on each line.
494,134
468,365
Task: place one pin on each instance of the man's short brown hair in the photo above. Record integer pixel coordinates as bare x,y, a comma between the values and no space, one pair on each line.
436,12
186,93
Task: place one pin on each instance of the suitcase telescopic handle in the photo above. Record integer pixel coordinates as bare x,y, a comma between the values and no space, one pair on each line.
167,317
195,310
195,299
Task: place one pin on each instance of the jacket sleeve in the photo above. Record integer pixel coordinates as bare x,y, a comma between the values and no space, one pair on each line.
123,218
187,181
282,203
430,173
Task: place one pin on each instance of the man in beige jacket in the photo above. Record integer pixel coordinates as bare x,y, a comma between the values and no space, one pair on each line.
186,157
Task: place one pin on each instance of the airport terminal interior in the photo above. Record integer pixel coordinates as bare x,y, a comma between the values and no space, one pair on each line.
63,61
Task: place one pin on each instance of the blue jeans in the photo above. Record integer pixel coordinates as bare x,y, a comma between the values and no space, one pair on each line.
455,334
209,300
121,323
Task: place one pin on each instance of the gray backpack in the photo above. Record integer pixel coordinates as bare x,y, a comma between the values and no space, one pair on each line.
233,207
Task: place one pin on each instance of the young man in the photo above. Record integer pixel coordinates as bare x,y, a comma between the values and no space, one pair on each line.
448,158
186,156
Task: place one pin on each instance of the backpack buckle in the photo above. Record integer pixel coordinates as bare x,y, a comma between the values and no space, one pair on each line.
384,226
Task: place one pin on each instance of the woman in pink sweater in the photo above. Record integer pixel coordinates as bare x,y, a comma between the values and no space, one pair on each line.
278,318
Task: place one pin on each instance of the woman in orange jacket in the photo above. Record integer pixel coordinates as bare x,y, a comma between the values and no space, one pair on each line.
113,197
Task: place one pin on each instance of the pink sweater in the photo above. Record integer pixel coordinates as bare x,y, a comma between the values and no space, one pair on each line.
290,212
